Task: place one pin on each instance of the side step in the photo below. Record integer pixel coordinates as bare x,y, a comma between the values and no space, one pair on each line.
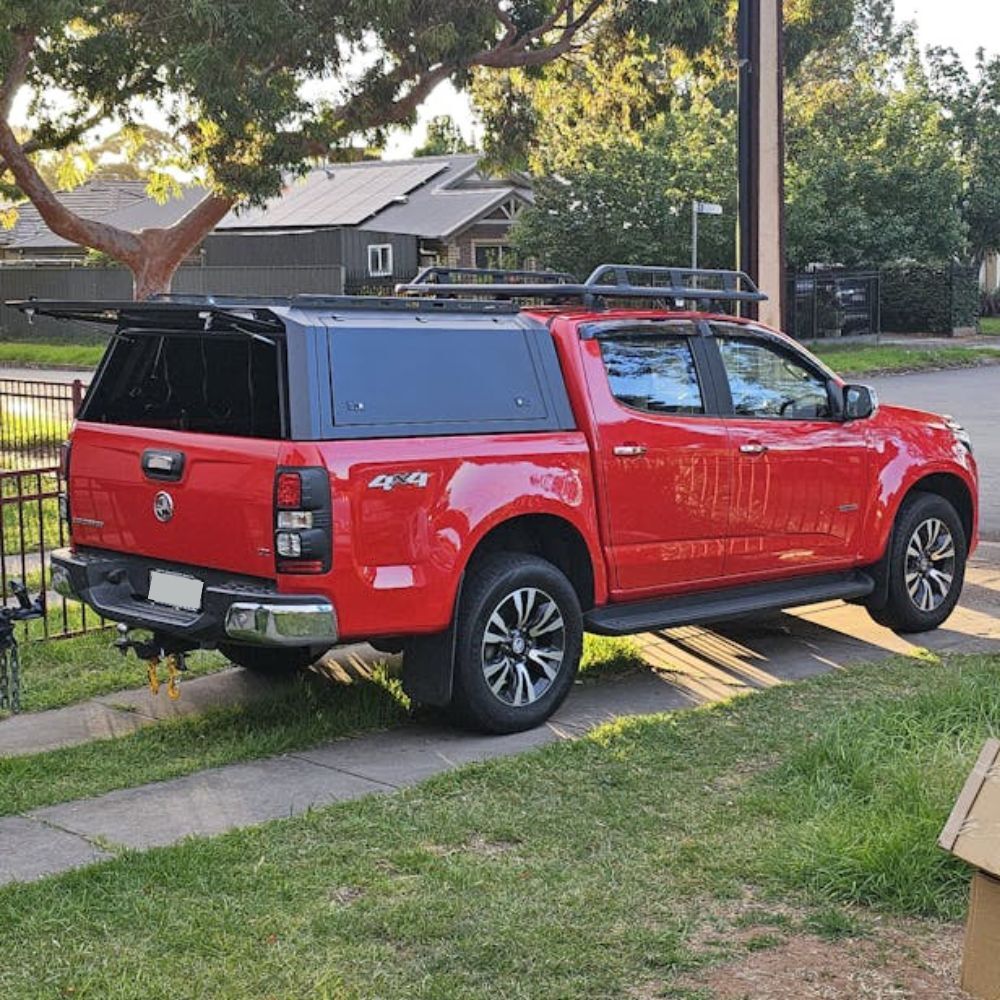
719,605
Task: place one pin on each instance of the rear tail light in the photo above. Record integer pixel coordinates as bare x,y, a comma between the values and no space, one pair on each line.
288,493
303,521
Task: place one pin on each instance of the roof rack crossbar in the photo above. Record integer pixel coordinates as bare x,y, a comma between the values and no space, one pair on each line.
622,281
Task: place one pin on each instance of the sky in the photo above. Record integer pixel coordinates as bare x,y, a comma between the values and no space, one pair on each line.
964,25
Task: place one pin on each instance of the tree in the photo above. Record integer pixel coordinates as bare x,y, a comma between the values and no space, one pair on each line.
443,137
632,203
229,77
627,75
873,175
972,101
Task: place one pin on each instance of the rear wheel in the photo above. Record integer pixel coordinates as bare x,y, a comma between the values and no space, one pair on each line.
269,660
518,644
926,565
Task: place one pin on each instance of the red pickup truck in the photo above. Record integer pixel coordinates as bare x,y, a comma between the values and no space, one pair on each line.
477,482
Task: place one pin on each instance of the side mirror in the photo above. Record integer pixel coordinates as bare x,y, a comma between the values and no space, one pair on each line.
860,402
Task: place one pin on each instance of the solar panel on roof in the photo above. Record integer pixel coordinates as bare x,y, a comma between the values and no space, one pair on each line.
338,196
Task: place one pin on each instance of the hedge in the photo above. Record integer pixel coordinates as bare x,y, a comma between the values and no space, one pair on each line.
923,298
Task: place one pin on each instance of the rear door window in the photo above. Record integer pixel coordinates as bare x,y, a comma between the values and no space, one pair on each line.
653,373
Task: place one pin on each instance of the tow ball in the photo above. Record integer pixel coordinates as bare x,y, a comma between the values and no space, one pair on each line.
154,651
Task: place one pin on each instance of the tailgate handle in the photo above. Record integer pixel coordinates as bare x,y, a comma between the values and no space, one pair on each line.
163,465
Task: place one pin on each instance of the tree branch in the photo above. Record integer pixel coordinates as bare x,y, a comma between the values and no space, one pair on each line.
118,242
519,53
24,43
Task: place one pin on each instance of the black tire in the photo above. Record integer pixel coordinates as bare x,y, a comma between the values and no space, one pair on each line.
919,562
273,661
540,667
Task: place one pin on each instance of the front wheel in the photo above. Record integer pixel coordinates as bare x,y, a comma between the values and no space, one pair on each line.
926,565
518,644
274,661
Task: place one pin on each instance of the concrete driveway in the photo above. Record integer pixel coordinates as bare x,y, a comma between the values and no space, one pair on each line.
971,395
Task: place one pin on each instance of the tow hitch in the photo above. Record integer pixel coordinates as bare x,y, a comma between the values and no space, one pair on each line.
153,651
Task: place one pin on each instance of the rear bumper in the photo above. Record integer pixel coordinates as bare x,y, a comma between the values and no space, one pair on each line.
234,609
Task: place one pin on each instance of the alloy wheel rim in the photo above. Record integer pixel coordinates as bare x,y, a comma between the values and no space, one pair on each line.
524,646
929,569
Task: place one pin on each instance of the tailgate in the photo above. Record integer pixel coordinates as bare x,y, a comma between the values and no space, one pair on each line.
213,507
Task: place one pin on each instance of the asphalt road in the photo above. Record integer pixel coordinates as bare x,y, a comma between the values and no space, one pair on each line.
972,396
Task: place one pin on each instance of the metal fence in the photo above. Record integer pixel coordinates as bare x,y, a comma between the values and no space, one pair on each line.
31,528
825,304
35,418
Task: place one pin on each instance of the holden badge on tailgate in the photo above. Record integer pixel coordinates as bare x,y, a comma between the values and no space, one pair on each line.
163,506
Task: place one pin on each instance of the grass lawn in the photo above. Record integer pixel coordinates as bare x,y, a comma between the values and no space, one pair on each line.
308,710
63,671
625,864
852,359
990,325
29,353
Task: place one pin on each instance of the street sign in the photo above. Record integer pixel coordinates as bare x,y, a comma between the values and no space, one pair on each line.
707,208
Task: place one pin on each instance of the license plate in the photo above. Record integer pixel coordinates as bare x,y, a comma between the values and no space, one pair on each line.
175,590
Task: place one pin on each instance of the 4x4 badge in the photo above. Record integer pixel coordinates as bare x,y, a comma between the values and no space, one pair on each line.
389,481
163,506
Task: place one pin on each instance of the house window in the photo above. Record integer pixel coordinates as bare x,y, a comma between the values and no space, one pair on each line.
380,260
494,256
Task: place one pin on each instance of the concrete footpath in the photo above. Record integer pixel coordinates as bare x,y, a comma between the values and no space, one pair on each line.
690,666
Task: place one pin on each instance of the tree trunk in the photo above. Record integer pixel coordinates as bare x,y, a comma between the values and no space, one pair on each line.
153,275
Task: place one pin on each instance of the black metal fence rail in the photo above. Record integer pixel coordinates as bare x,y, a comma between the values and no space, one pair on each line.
35,417
822,304
31,528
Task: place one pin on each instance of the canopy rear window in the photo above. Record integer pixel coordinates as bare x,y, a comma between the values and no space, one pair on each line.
210,383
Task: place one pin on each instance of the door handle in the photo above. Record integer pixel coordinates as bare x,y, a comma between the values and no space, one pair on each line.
630,450
755,448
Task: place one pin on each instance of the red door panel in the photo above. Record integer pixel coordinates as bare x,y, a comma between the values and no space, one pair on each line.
801,477
799,493
666,483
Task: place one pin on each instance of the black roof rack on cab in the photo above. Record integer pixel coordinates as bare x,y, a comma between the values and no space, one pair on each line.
609,281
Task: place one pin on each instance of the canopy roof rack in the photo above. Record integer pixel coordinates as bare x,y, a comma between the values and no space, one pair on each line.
609,281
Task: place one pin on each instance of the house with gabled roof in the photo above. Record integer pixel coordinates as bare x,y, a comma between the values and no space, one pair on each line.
377,221
447,206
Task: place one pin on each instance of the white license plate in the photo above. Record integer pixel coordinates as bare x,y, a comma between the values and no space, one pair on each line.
177,591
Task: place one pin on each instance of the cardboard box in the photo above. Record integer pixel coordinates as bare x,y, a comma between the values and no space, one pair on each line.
981,957
972,832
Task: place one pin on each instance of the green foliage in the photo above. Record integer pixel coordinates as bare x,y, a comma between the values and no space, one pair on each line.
973,105
873,175
633,203
924,298
443,137
251,90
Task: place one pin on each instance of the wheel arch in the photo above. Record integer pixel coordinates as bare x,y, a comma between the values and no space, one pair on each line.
950,487
551,537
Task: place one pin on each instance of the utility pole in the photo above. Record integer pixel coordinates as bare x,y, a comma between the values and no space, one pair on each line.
762,153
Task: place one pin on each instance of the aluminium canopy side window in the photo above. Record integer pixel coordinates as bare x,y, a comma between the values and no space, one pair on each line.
415,378
227,383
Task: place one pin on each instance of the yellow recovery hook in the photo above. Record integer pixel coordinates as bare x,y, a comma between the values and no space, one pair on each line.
153,651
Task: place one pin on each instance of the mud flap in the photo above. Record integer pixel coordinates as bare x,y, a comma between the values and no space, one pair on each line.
429,668
429,662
